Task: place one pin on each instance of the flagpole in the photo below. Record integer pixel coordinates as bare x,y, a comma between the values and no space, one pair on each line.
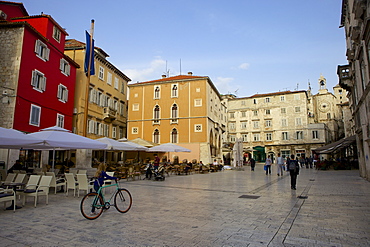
88,80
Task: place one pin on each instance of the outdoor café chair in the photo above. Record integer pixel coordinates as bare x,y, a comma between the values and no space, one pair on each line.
7,195
71,183
41,190
83,184
56,182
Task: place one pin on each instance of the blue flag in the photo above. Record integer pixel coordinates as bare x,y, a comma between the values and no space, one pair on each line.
87,55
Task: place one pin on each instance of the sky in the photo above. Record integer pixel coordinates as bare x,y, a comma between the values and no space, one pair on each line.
244,46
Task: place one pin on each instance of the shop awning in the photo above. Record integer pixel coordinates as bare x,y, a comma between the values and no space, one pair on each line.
336,146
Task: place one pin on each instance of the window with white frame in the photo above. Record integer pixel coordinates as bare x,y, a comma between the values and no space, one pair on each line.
285,153
267,100
62,93
197,128
285,136
256,124
268,136
244,114
282,98
38,81
101,74
156,114
156,136
106,130
35,114
41,50
232,115
256,137
174,113
297,109
245,137
174,91
255,113
122,108
65,68
268,112
135,107
244,125
56,33
109,78
114,132
122,87
243,102
268,123
157,92
116,83
298,121
120,132
284,122
60,120
283,110
315,134
299,135
174,136
255,101
135,130
232,125
232,138
197,102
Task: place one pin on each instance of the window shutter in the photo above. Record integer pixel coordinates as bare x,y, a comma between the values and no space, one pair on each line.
37,44
43,83
47,52
34,79
68,69
61,63
65,95
59,95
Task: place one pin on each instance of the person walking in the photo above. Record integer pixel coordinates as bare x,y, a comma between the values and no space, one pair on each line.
293,168
253,163
268,165
280,164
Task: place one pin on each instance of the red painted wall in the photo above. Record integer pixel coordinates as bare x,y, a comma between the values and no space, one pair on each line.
13,10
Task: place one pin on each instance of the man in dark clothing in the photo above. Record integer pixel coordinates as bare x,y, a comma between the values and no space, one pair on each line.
253,163
293,168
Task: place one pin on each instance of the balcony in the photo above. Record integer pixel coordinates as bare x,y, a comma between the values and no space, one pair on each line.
109,114
345,77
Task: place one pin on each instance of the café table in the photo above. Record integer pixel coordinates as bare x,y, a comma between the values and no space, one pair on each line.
14,187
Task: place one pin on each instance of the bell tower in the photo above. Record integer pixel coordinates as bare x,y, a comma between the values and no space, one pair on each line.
322,85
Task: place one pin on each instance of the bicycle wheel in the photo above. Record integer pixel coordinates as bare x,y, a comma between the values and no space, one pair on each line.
92,206
122,200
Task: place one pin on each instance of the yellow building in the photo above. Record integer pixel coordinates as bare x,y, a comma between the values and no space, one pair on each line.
107,107
183,109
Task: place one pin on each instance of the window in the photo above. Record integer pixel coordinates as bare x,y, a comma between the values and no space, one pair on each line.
198,128
135,107
197,90
122,87
256,137
232,138
101,75
268,123
268,136
245,137
256,124
328,115
283,110
232,126
106,130
156,114
284,122
135,130
38,81
116,83
268,112
255,101
120,133
156,136
41,50
296,97
56,33
297,109
282,98
255,113
65,68
174,91
197,102
244,114
60,120
298,121
244,124
299,135
157,91
285,136
174,113
285,153
243,102
62,93
114,132
232,114
315,134
122,108
35,115
267,100
174,136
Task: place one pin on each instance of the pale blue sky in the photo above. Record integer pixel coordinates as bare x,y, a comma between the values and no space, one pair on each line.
244,46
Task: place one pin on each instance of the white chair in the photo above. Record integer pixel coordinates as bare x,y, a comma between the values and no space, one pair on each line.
73,170
20,178
56,182
9,178
31,185
83,184
82,171
8,195
71,183
41,190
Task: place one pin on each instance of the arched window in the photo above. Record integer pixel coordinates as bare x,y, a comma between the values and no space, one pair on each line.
174,91
156,136
156,114
157,91
174,113
174,136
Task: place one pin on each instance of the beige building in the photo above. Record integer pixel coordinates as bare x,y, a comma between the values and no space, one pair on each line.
289,122
185,109
355,76
107,106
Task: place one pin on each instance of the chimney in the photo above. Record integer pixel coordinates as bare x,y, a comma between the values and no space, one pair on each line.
190,73
163,76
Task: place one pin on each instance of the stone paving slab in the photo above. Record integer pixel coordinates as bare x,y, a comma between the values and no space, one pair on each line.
230,208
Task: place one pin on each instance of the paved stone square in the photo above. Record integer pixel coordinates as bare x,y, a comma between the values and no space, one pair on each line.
229,208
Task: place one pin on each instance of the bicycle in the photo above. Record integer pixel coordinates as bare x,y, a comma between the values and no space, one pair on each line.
93,204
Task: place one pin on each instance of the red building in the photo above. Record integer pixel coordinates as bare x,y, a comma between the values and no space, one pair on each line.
37,81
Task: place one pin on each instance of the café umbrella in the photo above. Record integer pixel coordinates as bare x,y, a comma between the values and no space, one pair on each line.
14,139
